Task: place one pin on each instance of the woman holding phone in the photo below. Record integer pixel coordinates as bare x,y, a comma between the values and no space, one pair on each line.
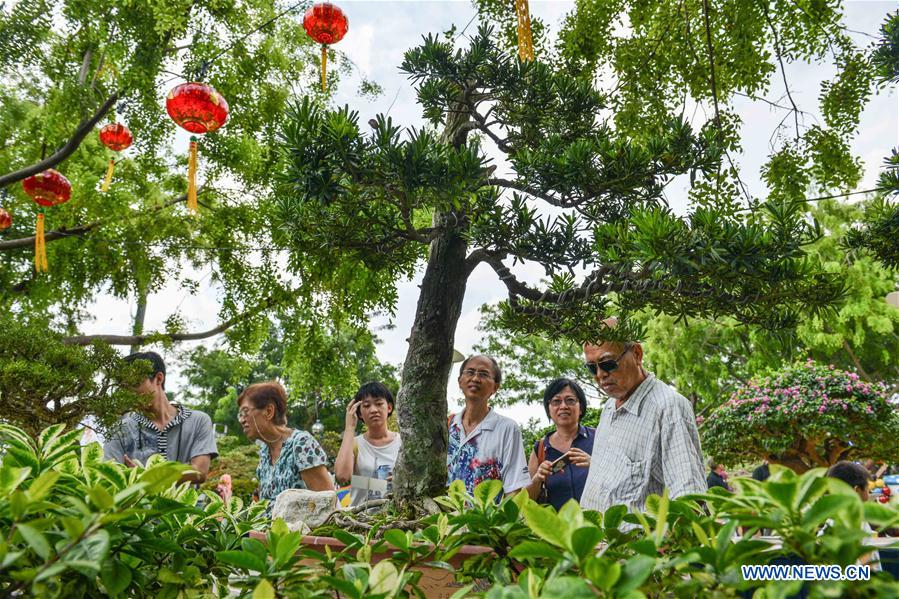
560,460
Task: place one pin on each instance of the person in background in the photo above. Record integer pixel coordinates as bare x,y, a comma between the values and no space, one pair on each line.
565,404
288,458
482,444
717,476
646,440
371,455
857,477
175,431
762,473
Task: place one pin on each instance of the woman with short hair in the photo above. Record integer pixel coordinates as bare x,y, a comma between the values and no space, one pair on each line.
565,404
373,454
288,458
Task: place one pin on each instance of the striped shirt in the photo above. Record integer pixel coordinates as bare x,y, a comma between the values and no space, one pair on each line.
647,444
162,438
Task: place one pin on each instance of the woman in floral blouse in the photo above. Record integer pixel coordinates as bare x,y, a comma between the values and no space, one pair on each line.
288,458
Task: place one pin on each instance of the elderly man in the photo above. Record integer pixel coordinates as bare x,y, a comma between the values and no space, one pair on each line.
646,439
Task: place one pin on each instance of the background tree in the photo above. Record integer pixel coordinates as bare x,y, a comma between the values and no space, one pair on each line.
804,417
383,201
44,381
109,59
881,229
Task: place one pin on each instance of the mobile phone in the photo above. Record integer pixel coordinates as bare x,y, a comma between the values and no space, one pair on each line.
560,463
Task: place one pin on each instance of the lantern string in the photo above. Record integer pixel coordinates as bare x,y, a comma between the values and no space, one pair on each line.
525,40
324,64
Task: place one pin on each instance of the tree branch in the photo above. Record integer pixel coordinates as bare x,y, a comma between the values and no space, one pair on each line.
783,71
12,244
217,330
85,127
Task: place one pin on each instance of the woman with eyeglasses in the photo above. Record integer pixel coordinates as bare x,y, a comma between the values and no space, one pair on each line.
565,404
370,457
288,458
482,444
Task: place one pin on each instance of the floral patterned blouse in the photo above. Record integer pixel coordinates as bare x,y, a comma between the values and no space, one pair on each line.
300,452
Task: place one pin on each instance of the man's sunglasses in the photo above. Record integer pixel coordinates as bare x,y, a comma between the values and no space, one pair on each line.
606,366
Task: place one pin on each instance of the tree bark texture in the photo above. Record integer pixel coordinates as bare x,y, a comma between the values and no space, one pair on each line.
421,401
140,316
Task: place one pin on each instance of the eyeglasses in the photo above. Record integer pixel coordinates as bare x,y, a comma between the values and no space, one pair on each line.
607,366
243,412
569,401
481,374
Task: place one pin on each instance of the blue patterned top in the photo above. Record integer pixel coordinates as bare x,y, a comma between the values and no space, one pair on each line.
300,452
493,450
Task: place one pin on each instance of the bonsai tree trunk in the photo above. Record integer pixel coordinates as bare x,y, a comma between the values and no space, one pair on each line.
421,401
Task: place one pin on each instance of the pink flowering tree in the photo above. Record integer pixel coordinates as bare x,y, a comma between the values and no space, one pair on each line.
803,417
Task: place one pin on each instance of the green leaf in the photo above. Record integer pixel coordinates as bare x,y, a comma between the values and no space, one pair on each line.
116,576
825,507
546,524
535,549
384,577
11,478
35,540
584,541
100,497
613,516
397,538
486,492
241,559
602,572
264,590
636,570
42,485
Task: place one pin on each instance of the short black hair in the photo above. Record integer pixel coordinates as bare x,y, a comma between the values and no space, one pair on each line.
497,372
153,358
854,475
556,386
373,389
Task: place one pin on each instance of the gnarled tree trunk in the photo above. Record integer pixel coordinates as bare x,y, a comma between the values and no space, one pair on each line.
421,402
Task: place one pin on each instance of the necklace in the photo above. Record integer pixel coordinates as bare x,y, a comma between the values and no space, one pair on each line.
261,436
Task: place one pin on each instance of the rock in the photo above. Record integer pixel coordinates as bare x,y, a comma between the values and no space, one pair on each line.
304,510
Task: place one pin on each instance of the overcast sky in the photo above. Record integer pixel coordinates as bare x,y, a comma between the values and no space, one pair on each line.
379,34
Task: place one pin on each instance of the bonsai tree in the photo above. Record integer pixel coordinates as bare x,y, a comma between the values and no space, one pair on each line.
45,381
572,194
805,416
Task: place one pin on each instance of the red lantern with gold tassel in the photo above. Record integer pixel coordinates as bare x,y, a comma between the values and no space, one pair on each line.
5,220
525,40
326,24
198,108
48,188
116,137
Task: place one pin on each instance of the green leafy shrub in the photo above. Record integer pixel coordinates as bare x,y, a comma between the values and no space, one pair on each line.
73,525
805,416
44,381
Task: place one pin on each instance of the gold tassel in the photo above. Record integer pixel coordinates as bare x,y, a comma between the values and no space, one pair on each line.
324,66
525,41
40,245
108,181
192,177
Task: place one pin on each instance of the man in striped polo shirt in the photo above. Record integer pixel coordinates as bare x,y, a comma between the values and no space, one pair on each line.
179,433
646,439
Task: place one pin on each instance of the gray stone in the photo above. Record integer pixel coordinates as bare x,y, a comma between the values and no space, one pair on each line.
304,510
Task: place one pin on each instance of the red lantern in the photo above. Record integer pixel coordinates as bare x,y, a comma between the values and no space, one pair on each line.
5,220
48,188
200,109
116,137
326,24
